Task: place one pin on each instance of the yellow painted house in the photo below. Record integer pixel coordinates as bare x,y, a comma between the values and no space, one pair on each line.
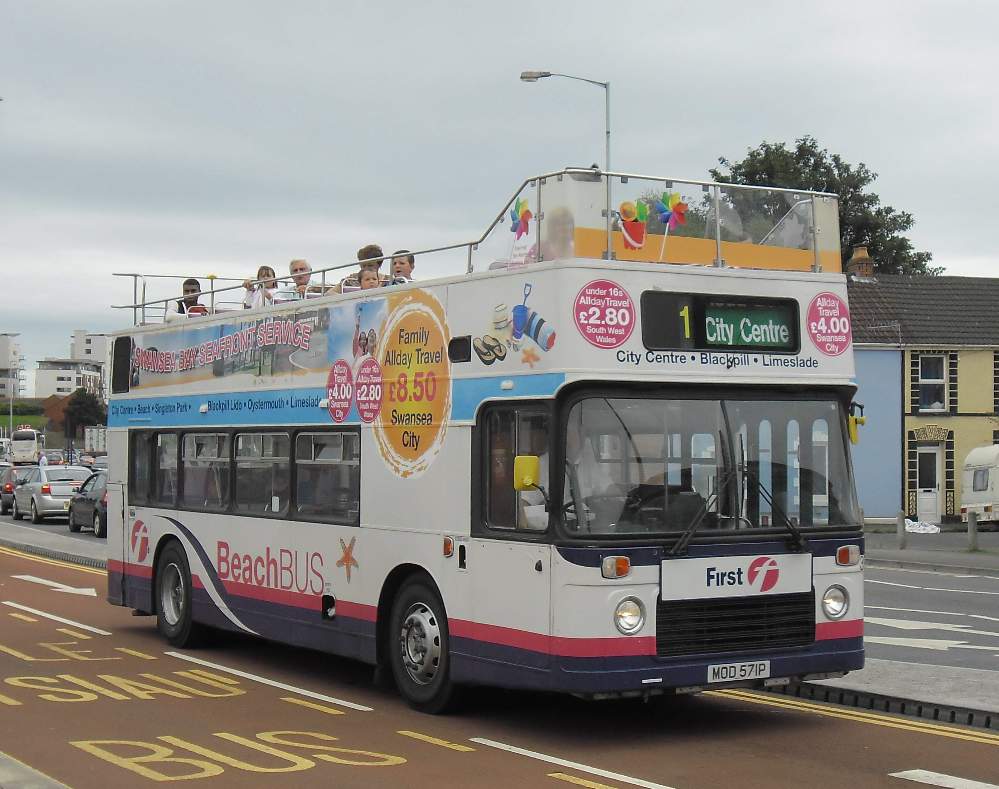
946,332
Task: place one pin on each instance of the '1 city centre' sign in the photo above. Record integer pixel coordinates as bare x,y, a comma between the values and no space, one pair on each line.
712,322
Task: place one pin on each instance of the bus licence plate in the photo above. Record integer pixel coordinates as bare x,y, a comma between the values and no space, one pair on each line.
731,672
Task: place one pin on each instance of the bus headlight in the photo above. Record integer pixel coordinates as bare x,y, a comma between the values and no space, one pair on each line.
629,616
835,602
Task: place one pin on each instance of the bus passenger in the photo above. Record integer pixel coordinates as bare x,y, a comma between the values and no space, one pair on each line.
188,305
368,257
260,294
368,278
403,263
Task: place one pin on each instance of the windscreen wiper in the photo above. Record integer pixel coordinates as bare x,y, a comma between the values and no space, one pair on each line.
681,544
797,541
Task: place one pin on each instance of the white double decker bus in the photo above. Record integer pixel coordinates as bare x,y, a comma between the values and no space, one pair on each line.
599,477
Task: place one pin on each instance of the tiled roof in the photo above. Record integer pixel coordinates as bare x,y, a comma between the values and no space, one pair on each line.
925,310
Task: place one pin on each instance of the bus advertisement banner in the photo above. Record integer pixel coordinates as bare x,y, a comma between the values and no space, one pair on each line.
382,362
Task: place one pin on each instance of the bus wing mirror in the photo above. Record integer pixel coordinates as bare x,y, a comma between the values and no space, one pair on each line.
854,427
854,422
526,472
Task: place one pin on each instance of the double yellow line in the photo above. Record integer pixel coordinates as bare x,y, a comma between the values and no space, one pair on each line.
54,562
860,716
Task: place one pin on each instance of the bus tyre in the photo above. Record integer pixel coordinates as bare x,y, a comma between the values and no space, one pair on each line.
174,615
418,648
73,525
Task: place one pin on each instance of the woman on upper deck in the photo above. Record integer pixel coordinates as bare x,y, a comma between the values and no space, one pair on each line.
260,294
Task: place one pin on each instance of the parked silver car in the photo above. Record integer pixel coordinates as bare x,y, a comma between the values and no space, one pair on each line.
46,491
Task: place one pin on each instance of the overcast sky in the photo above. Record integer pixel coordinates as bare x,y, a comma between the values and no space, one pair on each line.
196,138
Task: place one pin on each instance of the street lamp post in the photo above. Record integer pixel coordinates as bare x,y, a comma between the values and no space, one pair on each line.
534,76
11,372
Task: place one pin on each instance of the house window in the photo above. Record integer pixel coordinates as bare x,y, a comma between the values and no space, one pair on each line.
932,383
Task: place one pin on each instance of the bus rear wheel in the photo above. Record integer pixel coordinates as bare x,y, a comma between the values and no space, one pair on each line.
174,615
419,650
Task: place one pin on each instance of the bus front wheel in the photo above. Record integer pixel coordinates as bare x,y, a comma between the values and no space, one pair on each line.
419,650
174,616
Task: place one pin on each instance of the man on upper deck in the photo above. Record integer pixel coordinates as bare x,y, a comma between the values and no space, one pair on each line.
403,263
301,276
189,305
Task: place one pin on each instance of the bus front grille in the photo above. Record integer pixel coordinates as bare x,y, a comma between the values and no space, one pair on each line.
734,624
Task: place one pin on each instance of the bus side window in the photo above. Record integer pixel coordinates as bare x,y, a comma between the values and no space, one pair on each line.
165,473
328,476
206,471
501,498
140,465
121,365
512,431
263,473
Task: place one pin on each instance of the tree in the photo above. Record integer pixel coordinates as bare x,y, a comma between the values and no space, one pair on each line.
83,409
862,218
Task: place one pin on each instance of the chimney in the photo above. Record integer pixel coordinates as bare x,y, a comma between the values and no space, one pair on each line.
860,263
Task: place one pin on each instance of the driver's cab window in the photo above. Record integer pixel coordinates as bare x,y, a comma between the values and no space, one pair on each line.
512,431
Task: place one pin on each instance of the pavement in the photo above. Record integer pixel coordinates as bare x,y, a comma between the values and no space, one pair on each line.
946,552
55,542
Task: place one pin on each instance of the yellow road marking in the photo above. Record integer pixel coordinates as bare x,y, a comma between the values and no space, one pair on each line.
217,677
810,706
72,633
53,562
23,617
435,741
313,706
135,653
572,779
861,717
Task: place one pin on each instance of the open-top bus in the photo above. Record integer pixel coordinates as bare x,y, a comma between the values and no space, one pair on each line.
605,478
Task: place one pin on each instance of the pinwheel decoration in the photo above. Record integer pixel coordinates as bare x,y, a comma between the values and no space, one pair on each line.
521,216
672,212
633,219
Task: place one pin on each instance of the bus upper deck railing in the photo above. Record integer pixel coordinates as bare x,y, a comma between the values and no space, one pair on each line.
564,214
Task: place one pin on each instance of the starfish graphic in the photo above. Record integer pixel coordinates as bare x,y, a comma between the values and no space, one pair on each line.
529,356
347,560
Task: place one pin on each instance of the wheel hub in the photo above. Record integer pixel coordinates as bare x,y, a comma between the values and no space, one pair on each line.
172,594
420,643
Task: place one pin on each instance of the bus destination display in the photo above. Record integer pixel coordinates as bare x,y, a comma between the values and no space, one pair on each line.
712,322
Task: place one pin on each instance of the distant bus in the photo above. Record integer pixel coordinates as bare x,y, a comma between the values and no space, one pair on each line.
4,449
26,446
